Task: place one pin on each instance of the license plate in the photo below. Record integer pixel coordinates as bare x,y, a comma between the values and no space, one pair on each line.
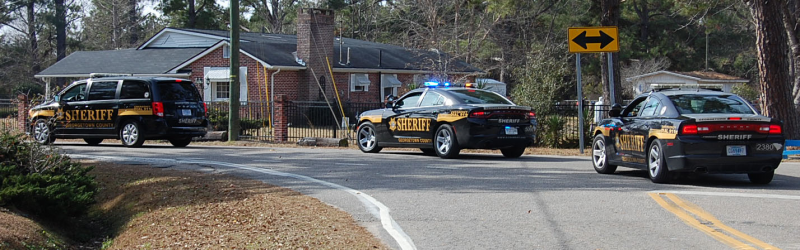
736,150
187,121
511,130
186,112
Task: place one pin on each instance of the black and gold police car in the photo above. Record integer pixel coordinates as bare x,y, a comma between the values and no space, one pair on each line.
131,109
442,120
675,130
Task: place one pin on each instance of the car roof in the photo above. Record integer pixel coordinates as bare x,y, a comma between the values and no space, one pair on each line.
686,92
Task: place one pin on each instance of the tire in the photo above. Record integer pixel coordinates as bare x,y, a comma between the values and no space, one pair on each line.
42,133
761,178
600,156
656,164
93,141
180,142
428,151
131,134
445,143
367,139
513,152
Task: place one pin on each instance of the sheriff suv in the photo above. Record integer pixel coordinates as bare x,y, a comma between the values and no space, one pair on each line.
689,130
441,120
131,109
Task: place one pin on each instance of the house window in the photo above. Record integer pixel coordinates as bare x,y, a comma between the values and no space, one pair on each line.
389,84
226,51
222,90
359,83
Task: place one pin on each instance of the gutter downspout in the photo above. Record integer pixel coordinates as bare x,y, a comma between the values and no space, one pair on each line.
272,98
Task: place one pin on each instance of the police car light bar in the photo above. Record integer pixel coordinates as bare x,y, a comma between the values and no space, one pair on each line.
431,84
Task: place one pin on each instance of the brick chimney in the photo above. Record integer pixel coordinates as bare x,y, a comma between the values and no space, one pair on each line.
314,44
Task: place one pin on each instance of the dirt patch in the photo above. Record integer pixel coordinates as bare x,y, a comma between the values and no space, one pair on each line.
151,208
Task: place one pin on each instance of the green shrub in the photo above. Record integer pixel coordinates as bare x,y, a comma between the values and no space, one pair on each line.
38,180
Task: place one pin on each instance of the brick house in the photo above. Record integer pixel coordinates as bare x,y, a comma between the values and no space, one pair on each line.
298,67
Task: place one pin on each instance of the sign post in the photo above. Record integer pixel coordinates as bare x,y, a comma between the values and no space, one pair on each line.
592,40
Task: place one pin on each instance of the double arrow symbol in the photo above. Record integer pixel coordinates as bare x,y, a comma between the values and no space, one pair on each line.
604,39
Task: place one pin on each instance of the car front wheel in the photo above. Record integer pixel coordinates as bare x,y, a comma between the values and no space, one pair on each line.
761,178
656,163
513,152
130,134
445,142
367,139
600,156
42,133
180,141
93,141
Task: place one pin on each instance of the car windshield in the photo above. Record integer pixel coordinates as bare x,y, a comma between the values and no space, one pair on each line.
178,91
710,104
474,96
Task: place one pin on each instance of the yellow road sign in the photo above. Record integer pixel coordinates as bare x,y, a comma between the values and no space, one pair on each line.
593,39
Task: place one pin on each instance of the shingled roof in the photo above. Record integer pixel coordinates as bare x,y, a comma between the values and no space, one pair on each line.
129,61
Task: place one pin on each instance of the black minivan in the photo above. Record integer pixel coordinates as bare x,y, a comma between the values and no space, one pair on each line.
131,109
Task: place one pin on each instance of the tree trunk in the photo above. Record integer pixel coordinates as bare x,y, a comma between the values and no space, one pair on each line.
133,22
610,9
792,31
61,35
771,45
35,67
192,14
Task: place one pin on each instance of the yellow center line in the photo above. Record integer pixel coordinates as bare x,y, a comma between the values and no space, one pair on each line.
696,217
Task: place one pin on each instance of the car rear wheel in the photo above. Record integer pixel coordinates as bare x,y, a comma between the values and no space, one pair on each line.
656,164
761,178
180,141
445,143
130,134
600,156
367,140
42,133
513,152
93,141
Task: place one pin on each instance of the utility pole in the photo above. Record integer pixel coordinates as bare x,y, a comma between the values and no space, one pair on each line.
233,115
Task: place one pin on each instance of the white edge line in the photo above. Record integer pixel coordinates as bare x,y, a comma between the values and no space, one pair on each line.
351,164
387,221
770,196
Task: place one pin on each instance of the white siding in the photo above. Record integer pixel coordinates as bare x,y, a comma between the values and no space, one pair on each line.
180,40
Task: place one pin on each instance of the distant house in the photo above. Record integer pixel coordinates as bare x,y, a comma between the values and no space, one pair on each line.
492,85
642,83
302,67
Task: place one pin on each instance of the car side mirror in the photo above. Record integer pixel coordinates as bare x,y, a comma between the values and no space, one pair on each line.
615,111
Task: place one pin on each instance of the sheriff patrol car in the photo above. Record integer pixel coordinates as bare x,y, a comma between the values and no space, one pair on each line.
443,120
131,109
672,130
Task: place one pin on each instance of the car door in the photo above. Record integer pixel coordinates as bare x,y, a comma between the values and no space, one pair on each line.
425,116
648,119
400,122
628,140
101,107
71,104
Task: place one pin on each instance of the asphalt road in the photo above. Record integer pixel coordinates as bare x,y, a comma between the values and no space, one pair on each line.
484,201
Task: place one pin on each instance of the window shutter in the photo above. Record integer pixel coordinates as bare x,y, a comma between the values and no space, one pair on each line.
206,85
243,84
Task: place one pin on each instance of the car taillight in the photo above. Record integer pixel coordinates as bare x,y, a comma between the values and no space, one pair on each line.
158,109
530,115
479,114
689,129
775,129
205,107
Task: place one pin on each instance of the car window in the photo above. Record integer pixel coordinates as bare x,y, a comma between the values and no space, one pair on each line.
650,108
408,101
634,108
134,90
103,91
710,104
432,99
178,91
76,93
475,96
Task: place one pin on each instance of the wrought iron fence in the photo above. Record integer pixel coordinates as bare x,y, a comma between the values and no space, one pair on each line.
8,115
